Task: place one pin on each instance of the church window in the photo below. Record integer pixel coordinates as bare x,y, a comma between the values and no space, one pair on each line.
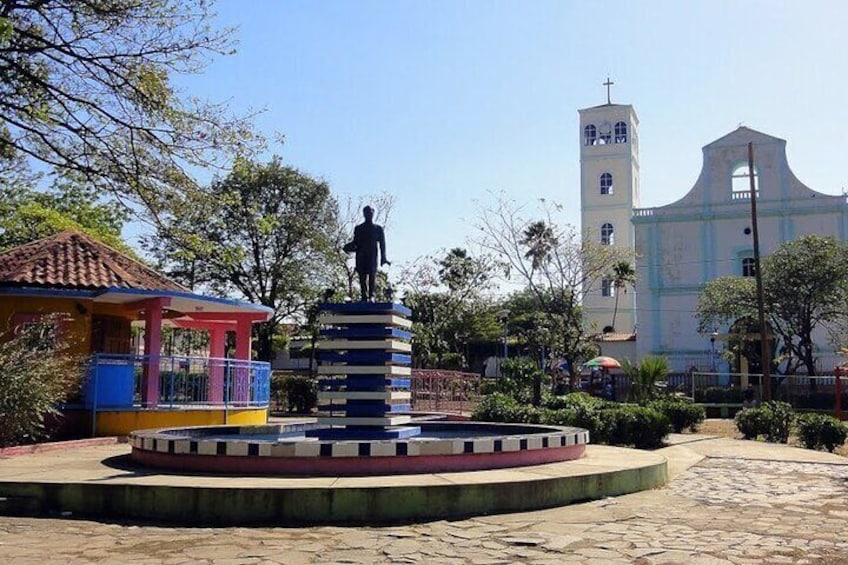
607,287
749,268
741,181
591,134
620,132
607,234
606,183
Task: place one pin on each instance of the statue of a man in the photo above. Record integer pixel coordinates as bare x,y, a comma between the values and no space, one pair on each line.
367,237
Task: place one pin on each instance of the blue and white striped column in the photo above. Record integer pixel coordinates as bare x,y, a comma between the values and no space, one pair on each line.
364,359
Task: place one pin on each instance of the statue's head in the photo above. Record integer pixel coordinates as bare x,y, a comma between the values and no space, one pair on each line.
368,212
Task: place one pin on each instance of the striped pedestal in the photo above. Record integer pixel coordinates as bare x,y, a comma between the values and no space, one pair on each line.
364,355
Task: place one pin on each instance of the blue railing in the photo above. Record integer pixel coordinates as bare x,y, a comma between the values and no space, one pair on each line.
126,381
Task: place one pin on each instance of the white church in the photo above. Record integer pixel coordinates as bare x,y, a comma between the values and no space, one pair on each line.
681,246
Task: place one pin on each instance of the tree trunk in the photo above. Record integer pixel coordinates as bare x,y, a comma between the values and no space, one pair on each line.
265,340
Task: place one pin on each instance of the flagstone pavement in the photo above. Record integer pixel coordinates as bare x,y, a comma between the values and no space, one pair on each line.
729,501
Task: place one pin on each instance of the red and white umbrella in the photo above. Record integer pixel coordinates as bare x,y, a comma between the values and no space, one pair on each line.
602,362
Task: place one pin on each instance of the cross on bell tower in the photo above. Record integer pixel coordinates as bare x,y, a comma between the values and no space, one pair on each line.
608,83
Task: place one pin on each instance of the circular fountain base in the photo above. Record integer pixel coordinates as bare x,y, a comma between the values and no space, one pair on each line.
286,449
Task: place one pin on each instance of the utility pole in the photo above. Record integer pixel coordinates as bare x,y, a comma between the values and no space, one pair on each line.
765,346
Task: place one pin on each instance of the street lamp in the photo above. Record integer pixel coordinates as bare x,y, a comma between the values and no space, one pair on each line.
713,337
503,318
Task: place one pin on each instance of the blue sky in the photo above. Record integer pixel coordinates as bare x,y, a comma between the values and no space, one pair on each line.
439,102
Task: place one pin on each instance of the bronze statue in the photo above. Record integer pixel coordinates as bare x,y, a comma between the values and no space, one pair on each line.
367,237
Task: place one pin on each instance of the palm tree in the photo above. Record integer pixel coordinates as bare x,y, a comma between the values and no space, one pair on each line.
540,241
622,275
645,376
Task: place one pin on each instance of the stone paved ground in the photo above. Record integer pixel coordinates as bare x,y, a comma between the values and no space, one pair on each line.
725,509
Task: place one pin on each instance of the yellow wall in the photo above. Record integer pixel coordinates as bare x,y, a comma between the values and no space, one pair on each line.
117,423
78,310
78,327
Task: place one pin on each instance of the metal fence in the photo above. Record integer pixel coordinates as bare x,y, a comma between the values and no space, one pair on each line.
435,390
801,391
116,381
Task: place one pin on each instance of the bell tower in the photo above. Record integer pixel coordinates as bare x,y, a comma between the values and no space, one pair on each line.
609,192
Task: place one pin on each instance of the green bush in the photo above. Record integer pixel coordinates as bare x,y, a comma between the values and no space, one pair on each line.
681,413
502,407
817,431
818,401
752,422
718,395
36,372
295,393
577,400
611,423
772,420
597,422
781,417
517,378
639,426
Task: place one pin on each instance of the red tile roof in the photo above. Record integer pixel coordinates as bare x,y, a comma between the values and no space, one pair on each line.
73,260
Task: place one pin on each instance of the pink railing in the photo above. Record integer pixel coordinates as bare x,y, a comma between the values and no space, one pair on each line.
436,390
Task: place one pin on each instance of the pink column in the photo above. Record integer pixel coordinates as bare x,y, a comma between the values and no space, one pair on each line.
152,349
217,345
242,372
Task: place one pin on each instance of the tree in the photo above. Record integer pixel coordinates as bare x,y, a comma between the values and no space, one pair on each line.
85,87
27,214
450,309
622,275
261,234
804,288
36,371
555,266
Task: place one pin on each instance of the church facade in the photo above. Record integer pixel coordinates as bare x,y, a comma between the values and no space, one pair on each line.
704,235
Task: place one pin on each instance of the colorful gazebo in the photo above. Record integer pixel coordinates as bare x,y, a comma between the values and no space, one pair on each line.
101,295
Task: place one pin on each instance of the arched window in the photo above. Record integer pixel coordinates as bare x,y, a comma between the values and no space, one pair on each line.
607,287
607,234
590,134
740,181
620,132
749,268
606,183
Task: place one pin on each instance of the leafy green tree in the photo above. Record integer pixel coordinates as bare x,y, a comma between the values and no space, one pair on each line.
804,288
261,234
85,86
553,263
36,371
450,308
27,214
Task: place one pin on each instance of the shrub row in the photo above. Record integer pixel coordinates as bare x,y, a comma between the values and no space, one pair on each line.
775,420
608,422
718,395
